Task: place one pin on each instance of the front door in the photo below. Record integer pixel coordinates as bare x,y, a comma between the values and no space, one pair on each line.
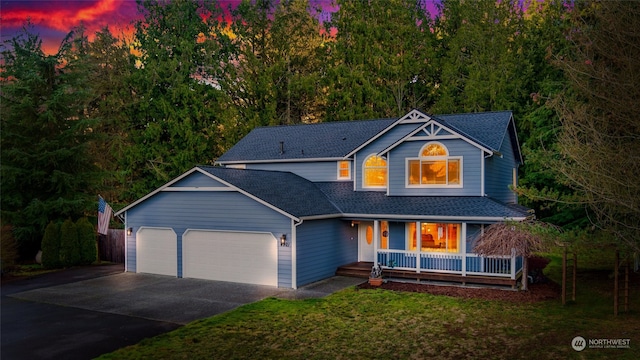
365,248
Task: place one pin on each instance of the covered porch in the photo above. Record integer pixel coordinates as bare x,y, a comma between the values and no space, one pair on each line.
430,250
501,276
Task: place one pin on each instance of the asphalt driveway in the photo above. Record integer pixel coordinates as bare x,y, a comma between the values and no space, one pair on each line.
82,313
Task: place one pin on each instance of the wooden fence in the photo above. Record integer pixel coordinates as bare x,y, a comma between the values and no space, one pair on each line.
111,246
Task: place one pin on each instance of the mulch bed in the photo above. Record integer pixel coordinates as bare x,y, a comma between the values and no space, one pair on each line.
536,292
543,289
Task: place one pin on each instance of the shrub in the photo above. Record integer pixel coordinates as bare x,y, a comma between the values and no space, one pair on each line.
69,245
87,239
9,248
51,246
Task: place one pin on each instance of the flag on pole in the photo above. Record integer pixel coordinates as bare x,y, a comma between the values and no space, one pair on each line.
104,216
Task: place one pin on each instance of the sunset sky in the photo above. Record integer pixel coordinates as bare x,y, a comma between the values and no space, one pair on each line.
53,19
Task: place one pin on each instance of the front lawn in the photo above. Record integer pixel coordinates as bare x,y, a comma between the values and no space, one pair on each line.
382,324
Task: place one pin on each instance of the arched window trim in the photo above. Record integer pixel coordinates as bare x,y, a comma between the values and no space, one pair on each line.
364,172
433,156
410,181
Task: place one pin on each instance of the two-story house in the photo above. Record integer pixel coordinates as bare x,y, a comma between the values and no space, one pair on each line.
289,205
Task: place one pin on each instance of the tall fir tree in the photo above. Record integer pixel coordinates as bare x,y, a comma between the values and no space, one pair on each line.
47,172
174,114
382,62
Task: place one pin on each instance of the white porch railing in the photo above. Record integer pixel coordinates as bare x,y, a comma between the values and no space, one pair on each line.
450,263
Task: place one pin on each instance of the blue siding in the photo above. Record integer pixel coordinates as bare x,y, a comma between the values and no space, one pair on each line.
197,179
471,169
395,134
397,236
209,210
313,171
499,173
322,246
473,231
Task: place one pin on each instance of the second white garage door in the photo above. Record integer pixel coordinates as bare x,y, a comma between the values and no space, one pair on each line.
244,257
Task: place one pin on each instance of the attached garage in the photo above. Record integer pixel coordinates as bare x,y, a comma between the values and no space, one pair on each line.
236,256
157,251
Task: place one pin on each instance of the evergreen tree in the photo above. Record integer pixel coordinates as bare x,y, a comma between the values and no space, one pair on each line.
109,74
382,62
87,241
51,246
483,67
273,74
47,173
174,114
69,244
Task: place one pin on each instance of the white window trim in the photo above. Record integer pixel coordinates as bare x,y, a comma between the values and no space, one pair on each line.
348,169
418,249
424,186
434,158
364,175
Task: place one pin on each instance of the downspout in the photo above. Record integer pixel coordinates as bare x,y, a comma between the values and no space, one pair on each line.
294,260
126,243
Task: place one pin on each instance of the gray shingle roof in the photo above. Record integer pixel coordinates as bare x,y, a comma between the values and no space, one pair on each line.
487,128
291,193
300,197
378,203
337,139
305,141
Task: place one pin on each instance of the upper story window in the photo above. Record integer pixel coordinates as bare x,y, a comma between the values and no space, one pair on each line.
375,172
434,167
344,170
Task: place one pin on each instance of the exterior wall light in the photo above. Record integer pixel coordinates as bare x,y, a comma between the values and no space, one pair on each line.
283,240
129,231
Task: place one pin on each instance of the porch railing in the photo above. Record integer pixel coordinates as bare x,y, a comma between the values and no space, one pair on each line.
462,264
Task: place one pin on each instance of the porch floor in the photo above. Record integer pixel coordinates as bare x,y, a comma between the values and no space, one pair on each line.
362,270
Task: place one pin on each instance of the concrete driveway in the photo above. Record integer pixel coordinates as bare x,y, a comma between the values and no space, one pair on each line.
79,317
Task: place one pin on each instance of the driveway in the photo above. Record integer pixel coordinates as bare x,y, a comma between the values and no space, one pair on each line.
82,313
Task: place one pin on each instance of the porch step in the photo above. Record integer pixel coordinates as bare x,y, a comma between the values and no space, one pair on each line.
359,270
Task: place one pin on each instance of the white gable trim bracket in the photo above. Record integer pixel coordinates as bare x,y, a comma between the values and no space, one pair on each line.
430,131
413,117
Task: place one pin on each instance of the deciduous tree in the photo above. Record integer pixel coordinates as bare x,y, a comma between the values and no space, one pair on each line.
600,138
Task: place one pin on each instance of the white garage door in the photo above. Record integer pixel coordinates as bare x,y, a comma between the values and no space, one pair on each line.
157,251
243,257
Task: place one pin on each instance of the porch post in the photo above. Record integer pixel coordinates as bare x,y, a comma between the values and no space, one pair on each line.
418,244
463,248
376,240
513,264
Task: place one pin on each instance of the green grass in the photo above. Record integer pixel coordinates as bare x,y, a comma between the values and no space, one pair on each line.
380,324
27,270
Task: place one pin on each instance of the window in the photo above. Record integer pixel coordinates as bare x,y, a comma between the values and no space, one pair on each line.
344,169
384,235
434,167
375,172
434,237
